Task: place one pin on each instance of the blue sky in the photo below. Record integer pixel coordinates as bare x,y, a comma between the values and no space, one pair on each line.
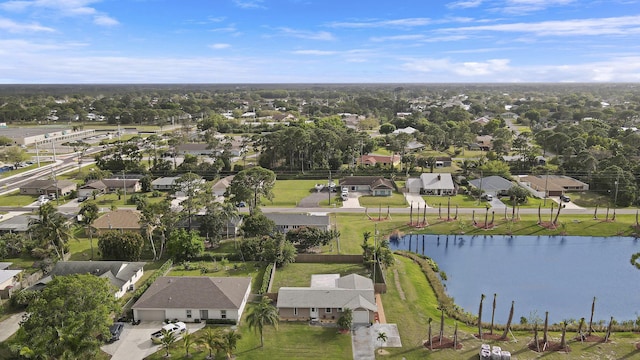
327,41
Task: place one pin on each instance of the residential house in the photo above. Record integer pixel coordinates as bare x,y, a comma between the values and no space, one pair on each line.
194,298
443,161
414,145
8,279
166,183
16,224
432,184
120,219
285,222
552,185
326,299
195,149
484,142
48,186
94,187
379,160
121,274
220,187
408,130
376,185
493,185
129,186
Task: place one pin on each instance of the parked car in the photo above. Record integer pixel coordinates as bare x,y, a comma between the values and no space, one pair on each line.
82,198
116,330
565,198
241,204
43,199
487,197
175,328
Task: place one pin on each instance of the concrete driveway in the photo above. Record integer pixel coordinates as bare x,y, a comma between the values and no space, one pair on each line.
135,341
364,340
352,201
416,199
9,326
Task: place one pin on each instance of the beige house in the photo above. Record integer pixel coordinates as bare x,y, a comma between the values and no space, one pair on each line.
194,298
326,299
48,186
121,219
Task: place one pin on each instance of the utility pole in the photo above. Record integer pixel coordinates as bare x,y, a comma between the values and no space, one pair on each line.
124,185
37,154
546,180
330,187
615,198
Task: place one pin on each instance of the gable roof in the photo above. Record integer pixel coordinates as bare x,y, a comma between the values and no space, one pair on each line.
8,274
164,181
97,184
223,183
117,272
120,183
18,223
365,180
435,181
492,183
374,159
298,219
119,219
195,292
48,184
351,291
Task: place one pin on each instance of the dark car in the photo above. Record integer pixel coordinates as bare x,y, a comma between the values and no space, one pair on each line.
565,198
82,198
116,330
241,204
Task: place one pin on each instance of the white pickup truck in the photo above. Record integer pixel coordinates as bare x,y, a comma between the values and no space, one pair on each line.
175,328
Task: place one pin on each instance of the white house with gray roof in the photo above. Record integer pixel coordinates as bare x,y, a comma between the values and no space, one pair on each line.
494,185
121,274
326,299
432,184
194,298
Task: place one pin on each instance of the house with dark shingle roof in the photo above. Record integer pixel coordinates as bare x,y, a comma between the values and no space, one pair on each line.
377,185
121,274
286,222
48,186
193,298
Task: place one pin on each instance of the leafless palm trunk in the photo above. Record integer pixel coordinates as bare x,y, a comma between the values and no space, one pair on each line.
480,316
506,328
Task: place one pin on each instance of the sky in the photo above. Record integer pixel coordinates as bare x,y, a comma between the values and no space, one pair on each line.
318,41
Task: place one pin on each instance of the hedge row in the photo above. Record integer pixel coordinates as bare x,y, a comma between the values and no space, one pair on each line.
221,321
211,257
265,279
160,272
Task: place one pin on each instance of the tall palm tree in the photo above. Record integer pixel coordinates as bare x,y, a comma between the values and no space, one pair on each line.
230,342
51,228
262,314
493,313
90,212
480,316
593,309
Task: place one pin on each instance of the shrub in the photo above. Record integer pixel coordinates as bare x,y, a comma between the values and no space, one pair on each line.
265,279
221,321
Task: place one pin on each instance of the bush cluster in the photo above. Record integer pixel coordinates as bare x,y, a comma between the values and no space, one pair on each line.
221,321
265,279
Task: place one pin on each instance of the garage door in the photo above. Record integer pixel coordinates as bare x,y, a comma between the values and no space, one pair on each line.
361,317
151,315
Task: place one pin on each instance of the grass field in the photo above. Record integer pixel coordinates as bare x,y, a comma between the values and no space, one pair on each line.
289,341
395,200
16,199
288,193
463,201
300,274
233,269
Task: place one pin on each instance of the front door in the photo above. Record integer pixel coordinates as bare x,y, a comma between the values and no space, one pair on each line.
204,314
314,313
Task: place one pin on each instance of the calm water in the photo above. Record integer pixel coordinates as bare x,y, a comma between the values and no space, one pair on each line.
541,273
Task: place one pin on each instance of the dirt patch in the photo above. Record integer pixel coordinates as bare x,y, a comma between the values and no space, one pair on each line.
398,286
590,338
446,343
638,346
491,337
383,352
548,225
551,347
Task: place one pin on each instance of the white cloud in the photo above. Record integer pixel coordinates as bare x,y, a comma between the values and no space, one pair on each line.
249,4
397,23
412,37
464,4
304,34
624,25
526,6
14,27
104,20
314,52
219,46
467,69
22,46
64,8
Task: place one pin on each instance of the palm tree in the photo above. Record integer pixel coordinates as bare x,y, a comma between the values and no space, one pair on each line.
508,326
430,339
545,334
51,228
346,319
230,342
262,314
382,337
187,342
168,338
593,309
212,341
563,342
90,212
480,317
493,312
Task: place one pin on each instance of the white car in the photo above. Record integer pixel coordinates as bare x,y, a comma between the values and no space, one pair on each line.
43,199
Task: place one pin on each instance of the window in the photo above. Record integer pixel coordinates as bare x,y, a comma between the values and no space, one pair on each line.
223,314
188,314
295,311
340,310
327,310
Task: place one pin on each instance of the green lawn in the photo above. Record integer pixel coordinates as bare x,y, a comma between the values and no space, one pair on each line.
108,200
288,193
289,341
216,269
532,203
463,201
411,316
16,199
395,200
299,274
